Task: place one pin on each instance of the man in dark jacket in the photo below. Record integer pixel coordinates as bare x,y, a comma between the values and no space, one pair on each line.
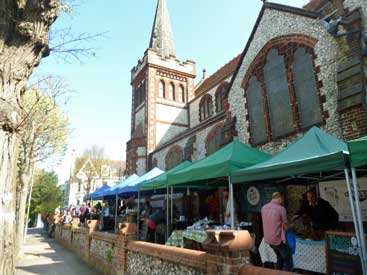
323,216
156,218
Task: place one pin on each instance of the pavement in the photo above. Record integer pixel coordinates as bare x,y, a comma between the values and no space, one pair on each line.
43,256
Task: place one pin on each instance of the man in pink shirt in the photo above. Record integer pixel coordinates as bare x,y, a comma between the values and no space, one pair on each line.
274,217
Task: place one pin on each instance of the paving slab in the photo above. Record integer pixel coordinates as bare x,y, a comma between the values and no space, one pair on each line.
43,256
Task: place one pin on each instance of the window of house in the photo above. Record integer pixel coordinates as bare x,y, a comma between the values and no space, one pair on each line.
162,89
171,93
256,111
181,94
282,90
206,107
219,99
214,140
280,112
174,157
308,99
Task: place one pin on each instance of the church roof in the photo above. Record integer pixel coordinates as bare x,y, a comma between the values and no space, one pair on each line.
162,37
219,76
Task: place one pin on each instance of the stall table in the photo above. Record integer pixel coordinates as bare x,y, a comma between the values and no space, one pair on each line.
177,237
309,255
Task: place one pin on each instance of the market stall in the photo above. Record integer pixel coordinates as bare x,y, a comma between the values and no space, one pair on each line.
209,173
314,157
309,255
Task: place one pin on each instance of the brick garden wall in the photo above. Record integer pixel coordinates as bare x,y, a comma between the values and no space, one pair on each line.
80,243
118,254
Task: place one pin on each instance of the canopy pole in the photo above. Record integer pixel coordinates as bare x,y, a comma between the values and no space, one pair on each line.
171,206
231,201
167,213
138,218
359,219
116,201
354,216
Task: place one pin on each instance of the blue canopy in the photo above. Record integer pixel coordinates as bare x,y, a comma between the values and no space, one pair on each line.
113,191
97,195
133,186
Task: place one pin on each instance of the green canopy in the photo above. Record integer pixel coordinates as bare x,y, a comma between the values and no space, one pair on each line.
314,152
160,182
223,163
358,152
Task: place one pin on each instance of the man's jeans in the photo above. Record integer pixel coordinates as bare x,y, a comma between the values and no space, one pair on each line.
284,257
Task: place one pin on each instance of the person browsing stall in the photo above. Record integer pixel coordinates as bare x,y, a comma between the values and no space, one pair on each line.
274,218
323,216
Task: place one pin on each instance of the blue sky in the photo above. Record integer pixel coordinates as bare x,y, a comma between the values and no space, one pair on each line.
209,32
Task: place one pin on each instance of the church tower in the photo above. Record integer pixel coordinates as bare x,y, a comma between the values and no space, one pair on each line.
161,88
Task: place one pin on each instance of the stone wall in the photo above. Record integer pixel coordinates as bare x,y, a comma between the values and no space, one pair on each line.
120,254
194,104
199,146
146,258
66,236
58,232
326,51
80,243
362,4
103,252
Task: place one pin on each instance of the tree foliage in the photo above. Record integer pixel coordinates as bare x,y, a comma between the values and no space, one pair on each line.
46,196
45,131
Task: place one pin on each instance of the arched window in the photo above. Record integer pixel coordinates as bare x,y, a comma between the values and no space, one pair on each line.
281,88
181,93
256,111
171,93
219,94
280,111
174,157
162,89
308,99
214,140
206,107
142,95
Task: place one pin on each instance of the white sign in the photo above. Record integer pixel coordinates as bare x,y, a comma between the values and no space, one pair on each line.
336,193
253,196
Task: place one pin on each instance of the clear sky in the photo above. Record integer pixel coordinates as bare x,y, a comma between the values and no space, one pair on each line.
209,32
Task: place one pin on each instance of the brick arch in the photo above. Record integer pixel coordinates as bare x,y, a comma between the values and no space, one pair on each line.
220,94
174,157
215,139
163,83
205,107
286,47
283,44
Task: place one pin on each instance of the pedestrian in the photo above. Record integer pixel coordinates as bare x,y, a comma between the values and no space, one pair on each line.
84,211
154,220
145,215
68,218
274,217
106,216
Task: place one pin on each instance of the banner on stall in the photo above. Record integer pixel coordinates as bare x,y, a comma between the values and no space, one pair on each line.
336,193
342,254
256,196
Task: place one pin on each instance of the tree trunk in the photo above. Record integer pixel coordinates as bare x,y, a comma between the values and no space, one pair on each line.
23,188
7,191
24,27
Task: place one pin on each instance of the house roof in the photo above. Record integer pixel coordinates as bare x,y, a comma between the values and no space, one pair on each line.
315,4
220,75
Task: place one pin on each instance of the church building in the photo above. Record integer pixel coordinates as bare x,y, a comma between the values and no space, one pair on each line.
301,67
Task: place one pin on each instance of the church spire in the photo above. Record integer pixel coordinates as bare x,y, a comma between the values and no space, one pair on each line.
162,38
